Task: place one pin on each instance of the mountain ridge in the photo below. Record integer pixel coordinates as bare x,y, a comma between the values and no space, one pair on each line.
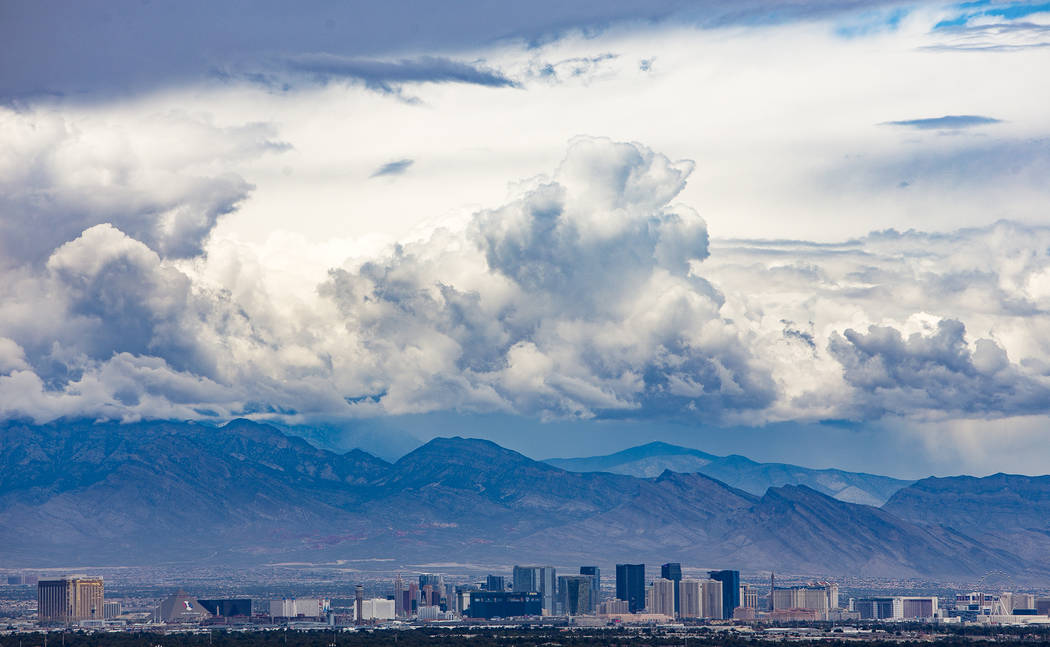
738,471
246,493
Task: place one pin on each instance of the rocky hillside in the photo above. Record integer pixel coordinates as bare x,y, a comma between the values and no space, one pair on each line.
246,493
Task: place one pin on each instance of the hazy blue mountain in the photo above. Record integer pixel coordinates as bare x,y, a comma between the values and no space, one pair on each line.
78,492
367,435
1006,511
738,471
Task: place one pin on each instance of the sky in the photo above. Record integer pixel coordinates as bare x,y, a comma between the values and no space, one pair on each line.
813,232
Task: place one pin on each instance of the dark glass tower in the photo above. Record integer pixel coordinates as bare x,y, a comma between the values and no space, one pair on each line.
495,583
630,585
730,590
673,571
596,584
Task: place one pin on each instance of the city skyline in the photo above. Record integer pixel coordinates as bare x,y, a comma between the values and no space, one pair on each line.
78,600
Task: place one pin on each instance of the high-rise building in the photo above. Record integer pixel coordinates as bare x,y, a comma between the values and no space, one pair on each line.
879,608
111,610
1022,601
630,585
399,597
819,598
70,599
608,607
538,579
412,598
461,597
300,607
596,583
690,599
662,598
431,596
730,590
920,607
673,571
375,609
574,595
748,597
711,597
495,583
359,603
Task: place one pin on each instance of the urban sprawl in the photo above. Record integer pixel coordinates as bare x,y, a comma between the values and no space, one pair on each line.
534,595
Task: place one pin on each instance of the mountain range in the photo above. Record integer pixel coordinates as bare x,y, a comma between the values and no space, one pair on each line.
738,471
245,493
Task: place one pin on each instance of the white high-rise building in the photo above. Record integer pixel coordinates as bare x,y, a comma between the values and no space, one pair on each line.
662,598
1022,601
711,599
296,607
690,600
376,609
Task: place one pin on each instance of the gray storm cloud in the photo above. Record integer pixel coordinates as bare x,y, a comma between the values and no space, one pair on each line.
938,371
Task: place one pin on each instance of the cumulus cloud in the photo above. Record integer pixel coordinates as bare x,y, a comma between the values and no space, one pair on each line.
576,299
579,297
590,292
928,325
163,179
940,371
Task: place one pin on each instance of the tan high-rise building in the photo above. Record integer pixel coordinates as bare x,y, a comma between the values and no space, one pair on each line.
748,597
711,599
70,599
690,598
819,598
662,597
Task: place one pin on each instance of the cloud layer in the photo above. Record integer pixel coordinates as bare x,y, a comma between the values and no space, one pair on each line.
175,255
590,292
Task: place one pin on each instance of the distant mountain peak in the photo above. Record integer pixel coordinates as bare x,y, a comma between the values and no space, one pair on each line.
651,459
458,449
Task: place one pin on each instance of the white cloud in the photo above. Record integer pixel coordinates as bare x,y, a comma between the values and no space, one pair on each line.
575,298
220,250
163,178
589,293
